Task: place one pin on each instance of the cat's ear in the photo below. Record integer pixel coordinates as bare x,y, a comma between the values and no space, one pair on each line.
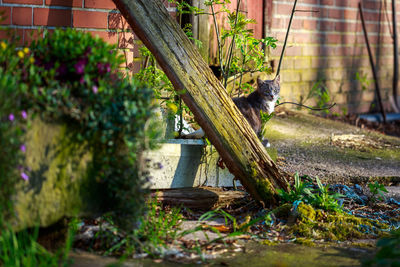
277,79
259,81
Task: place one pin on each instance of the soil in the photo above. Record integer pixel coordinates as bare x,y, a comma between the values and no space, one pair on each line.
334,151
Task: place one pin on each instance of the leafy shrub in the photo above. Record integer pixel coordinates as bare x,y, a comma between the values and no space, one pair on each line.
73,78
12,64
388,251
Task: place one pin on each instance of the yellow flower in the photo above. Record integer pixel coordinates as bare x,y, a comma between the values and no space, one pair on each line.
26,50
20,54
172,107
31,60
3,45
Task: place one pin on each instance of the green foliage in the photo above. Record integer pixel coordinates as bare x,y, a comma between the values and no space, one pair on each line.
73,78
388,251
323,199
300,191
362,78
378,191
319,198
156,229
245,53
22,248
13,64
320,93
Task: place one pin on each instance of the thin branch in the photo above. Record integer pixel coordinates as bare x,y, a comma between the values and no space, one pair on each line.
302,10
305,106
229,59
218,40
286,38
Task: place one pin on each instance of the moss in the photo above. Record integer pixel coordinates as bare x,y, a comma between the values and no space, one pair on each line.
58,170
283,211
263,186
305,241
318,224
269,242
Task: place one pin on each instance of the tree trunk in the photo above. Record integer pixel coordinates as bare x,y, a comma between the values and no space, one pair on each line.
225,126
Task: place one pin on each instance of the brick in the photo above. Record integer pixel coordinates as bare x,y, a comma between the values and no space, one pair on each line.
374,5
290,76
333,38
326,25
27,2
5,15
346,3
308,75
104,4
109,37
310,24
22,16
67,3
326,2
90,19
310,51
350,14
126,40
117,21
13,34
312,2
335,13
345,26
283,9
328,50
302,63
51,17
278,23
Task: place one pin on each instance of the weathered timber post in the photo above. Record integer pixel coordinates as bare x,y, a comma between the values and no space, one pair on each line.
226,128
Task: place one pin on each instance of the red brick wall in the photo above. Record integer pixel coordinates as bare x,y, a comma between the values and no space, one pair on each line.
328,46
99,17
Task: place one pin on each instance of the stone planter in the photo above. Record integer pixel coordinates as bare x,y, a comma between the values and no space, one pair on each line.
182,163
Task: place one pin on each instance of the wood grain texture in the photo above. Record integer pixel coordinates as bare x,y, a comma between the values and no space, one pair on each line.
215,112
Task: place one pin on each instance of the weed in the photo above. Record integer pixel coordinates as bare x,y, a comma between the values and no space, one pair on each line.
318,198
155,230
22,249
377,190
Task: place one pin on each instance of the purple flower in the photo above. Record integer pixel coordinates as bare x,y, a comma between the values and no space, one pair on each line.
11,117
24,115
82,80
80,66
23,148
108,67
95,89
24,176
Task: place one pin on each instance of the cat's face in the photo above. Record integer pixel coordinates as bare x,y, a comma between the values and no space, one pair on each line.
269,91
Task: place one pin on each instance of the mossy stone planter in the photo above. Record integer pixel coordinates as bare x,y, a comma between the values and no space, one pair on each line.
59,181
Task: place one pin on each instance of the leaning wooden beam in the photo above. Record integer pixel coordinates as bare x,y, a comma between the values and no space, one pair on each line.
215,112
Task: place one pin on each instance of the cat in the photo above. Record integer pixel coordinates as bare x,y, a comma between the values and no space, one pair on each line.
262,99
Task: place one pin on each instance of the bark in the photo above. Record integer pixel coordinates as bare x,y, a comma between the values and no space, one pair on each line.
199,198
215,112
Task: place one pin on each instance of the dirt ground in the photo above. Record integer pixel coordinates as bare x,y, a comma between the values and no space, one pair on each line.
334,151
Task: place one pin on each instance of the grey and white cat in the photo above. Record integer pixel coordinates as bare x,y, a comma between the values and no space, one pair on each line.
262,99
